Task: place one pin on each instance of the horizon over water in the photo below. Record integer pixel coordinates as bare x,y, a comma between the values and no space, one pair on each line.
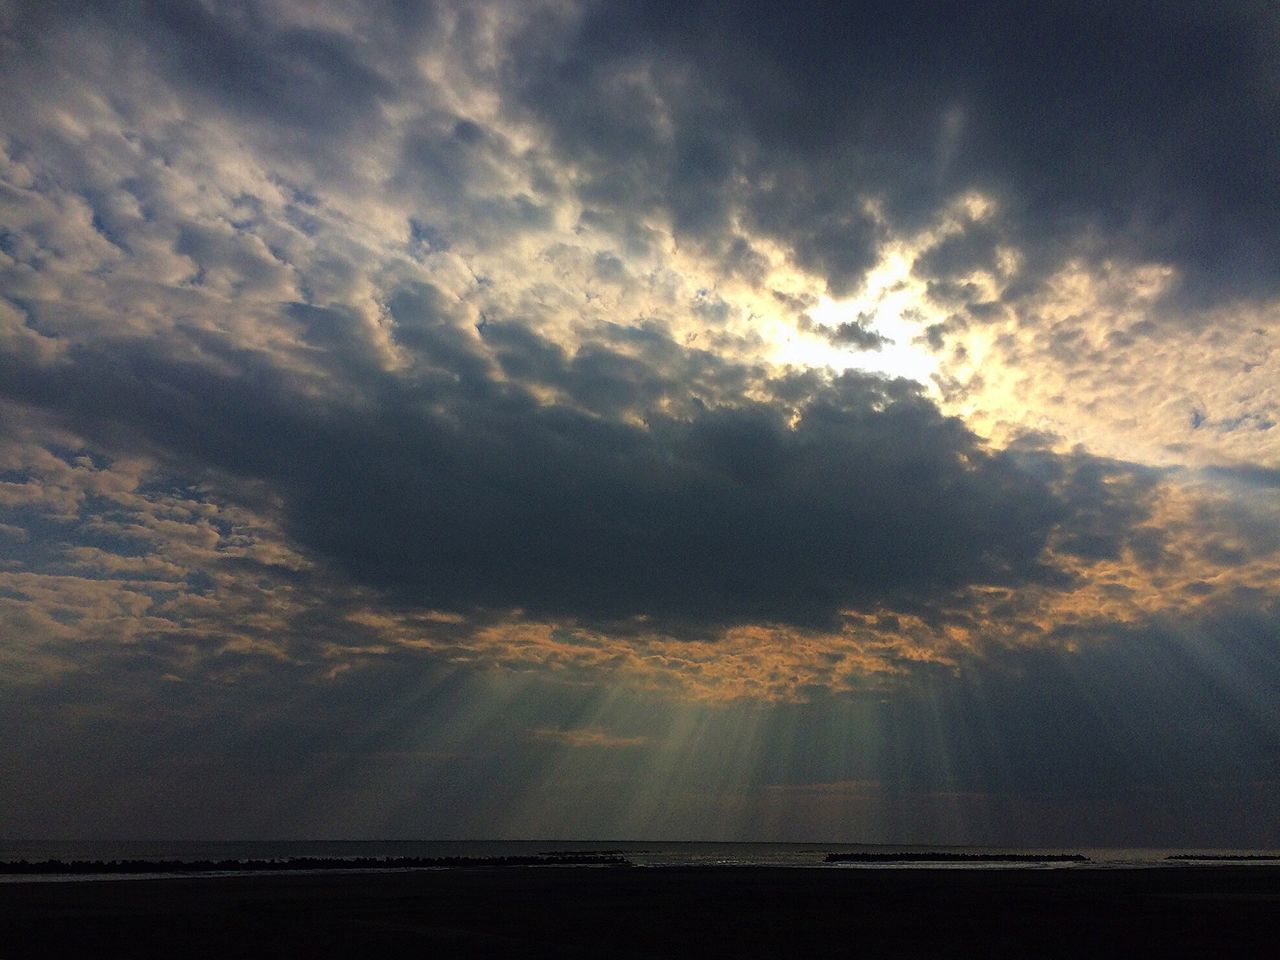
641,853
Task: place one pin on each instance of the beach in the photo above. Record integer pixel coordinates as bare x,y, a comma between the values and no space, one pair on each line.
570,911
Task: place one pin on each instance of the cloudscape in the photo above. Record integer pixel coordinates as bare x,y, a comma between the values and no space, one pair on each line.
640,419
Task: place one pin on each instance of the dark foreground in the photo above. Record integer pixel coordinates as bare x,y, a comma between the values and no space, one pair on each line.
673,912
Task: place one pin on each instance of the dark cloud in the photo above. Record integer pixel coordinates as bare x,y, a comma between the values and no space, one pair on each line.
856,334
960,254
459,491
1248,474
244,59
1141,131
1111,501
1147,128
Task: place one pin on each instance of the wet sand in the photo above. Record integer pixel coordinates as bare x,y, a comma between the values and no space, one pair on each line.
655,912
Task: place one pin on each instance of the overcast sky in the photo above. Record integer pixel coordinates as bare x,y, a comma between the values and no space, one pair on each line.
724,420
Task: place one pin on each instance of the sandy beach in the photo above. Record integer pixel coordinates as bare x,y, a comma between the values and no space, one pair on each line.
621,912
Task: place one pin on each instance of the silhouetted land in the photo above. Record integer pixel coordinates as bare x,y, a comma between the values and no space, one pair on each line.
1224,857
22,867
955,858
1190,911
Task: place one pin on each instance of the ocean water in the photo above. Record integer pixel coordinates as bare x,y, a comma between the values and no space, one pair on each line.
656,853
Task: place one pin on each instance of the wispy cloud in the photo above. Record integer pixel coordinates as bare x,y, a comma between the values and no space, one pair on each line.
588,738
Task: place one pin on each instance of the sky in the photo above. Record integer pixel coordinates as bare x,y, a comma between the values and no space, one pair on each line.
702,420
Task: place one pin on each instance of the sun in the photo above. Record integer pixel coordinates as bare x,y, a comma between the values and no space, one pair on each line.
891,303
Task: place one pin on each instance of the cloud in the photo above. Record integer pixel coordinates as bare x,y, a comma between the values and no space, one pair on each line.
856,334
460,359
456,354
1090,358
465,493
1142,128
588,738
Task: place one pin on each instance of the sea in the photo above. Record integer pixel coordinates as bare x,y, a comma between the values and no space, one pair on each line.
641,853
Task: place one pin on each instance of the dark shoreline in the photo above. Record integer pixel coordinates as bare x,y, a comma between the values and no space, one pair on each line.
1224,858
300,864
653,912
928,858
